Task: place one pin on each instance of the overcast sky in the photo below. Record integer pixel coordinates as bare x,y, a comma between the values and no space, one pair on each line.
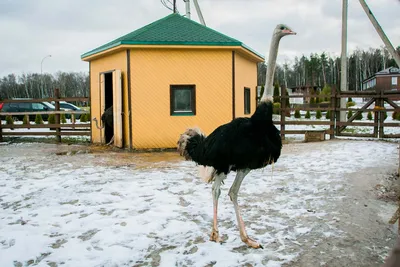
32,29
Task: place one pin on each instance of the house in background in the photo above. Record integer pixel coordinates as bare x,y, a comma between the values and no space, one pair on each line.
167,76
387,79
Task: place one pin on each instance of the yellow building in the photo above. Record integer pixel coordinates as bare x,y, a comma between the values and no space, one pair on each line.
167,76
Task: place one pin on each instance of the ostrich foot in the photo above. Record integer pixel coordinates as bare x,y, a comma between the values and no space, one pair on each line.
215,236
251,242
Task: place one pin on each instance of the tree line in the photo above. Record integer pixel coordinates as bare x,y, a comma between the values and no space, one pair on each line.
34,85
323,69
314,70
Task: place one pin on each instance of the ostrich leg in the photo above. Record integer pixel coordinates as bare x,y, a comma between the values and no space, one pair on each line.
111,141
233,193
216,191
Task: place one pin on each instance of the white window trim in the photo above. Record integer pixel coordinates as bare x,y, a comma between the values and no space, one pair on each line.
395,80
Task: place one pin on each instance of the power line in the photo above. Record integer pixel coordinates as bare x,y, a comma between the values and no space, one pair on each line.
170,5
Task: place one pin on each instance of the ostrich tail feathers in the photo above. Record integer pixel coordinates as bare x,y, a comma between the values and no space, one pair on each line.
184,139
207,173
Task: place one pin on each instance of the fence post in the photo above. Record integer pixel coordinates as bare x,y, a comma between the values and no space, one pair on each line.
382,114
337,111
376,116
73,120
283,111
1,132
57,105
332,112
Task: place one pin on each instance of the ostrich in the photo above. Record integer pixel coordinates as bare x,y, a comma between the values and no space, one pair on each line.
242,145
108,121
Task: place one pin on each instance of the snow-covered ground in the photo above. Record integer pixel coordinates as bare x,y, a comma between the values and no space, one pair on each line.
80,206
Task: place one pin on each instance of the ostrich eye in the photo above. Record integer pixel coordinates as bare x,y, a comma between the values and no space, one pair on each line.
282,28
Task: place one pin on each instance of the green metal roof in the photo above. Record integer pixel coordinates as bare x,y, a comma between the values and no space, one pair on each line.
173,29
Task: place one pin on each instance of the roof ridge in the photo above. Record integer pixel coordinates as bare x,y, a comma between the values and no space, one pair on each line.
146,27
211,29
173,29
117,41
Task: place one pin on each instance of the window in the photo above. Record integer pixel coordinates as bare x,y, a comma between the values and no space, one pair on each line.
183,100
24,106
38,106
394,80
247,100
66,106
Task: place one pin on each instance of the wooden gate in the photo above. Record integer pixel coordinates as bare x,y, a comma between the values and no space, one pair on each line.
373,101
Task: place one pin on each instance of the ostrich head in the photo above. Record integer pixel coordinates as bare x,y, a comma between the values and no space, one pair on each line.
282,30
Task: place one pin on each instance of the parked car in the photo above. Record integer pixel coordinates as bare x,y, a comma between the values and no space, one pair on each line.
69,106
26,107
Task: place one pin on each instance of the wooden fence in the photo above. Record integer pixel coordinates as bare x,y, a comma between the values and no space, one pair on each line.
60,129
335,127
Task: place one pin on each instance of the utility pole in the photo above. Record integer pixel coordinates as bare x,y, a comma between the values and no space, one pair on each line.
381,33
343,72
174,6
199,14
187,3
41,76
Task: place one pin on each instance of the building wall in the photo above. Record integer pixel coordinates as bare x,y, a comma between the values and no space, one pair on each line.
152,73
97,66
245,76
385,82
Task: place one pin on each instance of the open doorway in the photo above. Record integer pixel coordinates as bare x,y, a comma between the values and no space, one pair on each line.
108,102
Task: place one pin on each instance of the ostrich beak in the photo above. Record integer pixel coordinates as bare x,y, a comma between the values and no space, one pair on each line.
289,32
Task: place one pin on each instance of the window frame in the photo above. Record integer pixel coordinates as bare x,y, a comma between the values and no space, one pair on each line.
395,78
44,107
175,87
248,102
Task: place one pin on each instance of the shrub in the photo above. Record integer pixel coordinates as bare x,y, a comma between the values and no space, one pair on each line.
369,116
396,115
385,115
83,117
26,120
312,100
328,115
51,119
359,116
350,104
349,99
319,114
287,100
9,120
276,93
308,115
63,119
326,91
349,114
297,114
38,119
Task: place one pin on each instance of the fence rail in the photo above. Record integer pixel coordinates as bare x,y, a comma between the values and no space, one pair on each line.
331,103
59,129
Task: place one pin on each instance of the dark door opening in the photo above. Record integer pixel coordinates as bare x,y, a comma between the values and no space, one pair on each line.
108,102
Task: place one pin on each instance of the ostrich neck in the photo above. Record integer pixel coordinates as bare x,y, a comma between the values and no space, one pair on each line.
273,53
